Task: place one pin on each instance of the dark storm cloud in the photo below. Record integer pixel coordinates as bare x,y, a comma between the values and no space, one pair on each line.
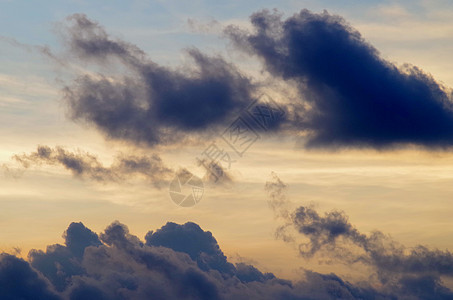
352,97
425,287
356,98
152,104
189,238
58,263
175,262
331,234
78,237
86,165
19,281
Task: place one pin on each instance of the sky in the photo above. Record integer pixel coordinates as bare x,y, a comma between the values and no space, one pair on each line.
340,188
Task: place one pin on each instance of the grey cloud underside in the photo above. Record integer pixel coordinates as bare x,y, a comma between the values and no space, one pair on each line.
416,271
175,262
148,103
355,98
85,165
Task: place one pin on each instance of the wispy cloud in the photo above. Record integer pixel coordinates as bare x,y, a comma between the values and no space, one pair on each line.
399,269
87,166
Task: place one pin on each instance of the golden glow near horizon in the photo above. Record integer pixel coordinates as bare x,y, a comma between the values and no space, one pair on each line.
397,192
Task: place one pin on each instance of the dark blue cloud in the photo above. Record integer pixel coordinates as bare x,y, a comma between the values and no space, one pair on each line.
59,263
425,287
248,273
189,238
118,265
203,248
356,98
152,104
19,281
84,291
78,237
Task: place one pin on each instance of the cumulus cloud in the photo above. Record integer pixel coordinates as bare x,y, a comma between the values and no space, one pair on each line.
189,238
352,96
19,281
174,262
148,103
58,263
86,165
332,234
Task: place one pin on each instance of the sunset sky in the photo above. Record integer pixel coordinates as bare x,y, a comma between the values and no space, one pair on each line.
104,103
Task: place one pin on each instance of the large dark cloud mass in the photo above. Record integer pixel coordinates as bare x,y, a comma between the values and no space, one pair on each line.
175,262
351,96
149,103
355,98
185,262
417,271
